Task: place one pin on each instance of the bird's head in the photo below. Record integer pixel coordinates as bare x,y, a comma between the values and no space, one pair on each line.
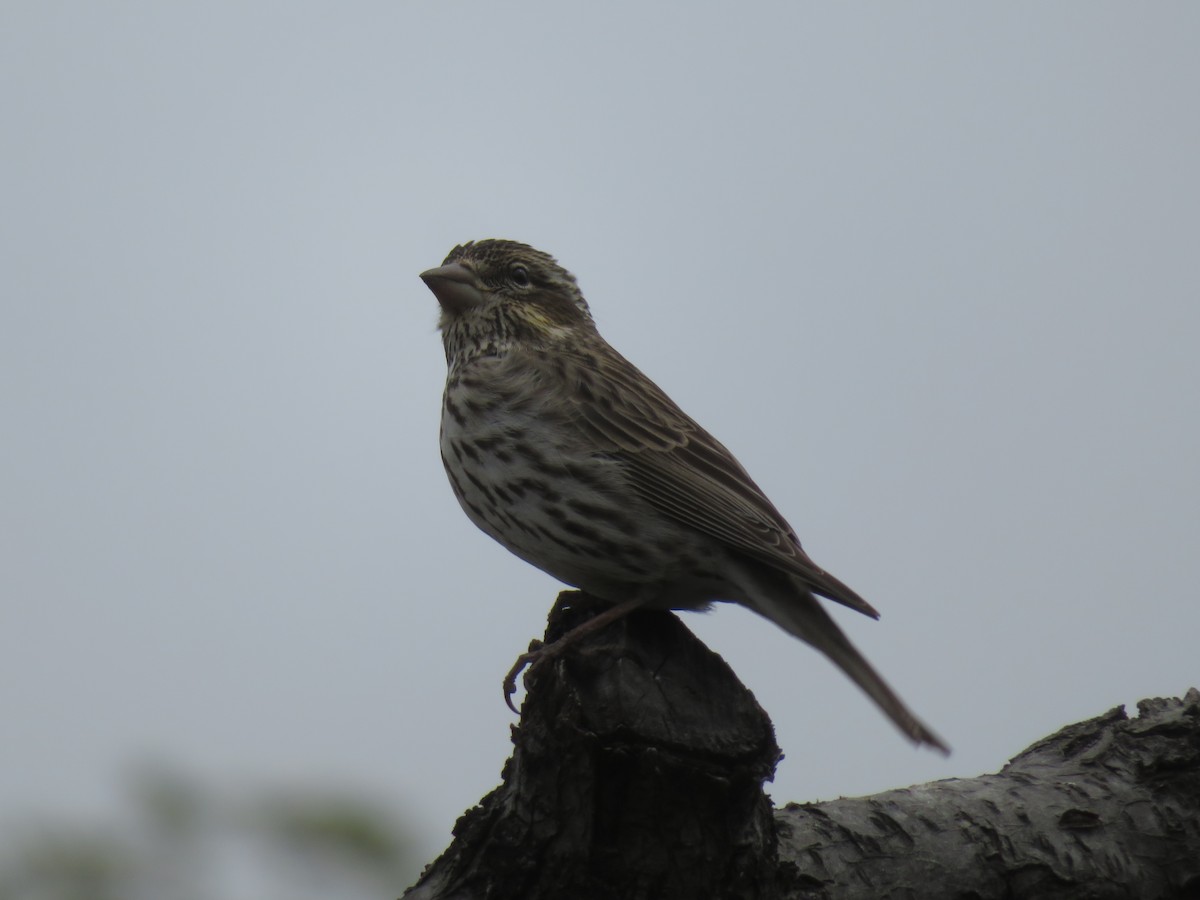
498,293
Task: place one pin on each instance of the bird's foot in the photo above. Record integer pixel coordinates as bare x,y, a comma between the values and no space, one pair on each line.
537,651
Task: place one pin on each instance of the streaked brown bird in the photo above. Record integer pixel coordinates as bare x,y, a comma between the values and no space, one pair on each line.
565,453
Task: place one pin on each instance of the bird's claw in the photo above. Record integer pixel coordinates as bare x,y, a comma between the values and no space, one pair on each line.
528,658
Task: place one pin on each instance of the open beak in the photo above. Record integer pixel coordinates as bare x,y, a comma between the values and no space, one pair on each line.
455,287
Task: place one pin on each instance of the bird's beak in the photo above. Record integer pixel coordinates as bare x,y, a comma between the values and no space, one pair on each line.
455,287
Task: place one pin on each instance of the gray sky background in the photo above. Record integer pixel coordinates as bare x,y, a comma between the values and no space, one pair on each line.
930,270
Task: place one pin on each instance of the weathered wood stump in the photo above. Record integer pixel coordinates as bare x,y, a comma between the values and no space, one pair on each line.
638,771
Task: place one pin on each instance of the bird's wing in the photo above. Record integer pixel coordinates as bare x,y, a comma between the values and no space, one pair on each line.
684,471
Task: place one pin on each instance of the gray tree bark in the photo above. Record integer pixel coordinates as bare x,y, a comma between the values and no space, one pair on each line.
638,771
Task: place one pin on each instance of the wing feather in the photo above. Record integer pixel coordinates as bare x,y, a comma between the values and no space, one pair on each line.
684,471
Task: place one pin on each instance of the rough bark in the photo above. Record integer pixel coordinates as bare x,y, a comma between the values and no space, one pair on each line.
1105,808
638,768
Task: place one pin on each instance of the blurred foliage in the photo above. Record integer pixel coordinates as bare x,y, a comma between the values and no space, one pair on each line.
67,864
177,839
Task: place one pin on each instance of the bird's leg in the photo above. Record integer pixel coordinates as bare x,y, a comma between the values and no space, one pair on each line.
539,652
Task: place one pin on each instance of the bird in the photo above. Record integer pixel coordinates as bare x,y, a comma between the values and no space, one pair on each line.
564,452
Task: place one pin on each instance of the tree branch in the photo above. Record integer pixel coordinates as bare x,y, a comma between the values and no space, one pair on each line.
638,767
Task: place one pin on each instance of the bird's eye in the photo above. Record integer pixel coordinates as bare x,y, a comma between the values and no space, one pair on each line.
519,276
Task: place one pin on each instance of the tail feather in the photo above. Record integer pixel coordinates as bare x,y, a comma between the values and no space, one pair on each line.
799,613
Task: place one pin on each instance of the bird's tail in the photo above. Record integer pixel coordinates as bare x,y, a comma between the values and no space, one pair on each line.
795,610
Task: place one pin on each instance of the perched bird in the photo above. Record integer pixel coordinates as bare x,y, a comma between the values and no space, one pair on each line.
565,453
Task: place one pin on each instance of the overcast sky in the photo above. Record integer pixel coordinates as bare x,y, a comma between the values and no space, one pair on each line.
931,271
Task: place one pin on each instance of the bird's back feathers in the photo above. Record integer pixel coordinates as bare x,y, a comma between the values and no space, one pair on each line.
684,471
